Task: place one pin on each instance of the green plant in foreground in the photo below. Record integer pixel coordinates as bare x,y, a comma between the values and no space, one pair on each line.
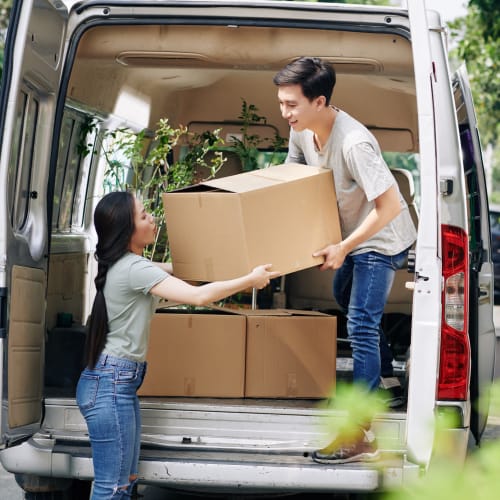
449,478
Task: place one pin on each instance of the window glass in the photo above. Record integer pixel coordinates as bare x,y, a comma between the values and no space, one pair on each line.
74,160
69,183
87,133
16,151
62,158
22,158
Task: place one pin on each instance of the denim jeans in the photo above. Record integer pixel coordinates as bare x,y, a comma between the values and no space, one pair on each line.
106,396
361,287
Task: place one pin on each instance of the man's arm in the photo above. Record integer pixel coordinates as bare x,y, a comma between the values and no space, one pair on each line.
387,206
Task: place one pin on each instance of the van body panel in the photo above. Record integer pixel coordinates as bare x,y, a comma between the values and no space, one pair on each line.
131,63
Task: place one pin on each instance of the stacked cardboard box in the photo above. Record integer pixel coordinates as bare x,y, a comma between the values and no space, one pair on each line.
247,353
222,229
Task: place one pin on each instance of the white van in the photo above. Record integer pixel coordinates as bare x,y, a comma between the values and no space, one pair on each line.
120,63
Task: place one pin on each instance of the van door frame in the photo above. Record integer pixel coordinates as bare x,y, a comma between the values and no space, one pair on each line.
32,71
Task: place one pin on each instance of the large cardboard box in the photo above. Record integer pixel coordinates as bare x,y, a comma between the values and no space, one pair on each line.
196,354
291,355
217,352
223,228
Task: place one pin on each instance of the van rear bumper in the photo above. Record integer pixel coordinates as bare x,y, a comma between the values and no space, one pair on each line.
214,471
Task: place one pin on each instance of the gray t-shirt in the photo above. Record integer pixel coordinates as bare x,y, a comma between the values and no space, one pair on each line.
361,175
130,306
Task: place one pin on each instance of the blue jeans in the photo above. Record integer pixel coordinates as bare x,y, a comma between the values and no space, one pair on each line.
361,287
106,396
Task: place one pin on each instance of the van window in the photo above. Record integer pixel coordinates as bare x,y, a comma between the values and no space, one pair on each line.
76,151
21,158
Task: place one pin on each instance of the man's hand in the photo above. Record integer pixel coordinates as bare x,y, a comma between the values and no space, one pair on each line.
334,256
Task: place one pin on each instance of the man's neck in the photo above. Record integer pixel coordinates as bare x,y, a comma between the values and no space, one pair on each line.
324,126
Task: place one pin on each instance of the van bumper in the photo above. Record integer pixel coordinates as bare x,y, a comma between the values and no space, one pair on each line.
215,471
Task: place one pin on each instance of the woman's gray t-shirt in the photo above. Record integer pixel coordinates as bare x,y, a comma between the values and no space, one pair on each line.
361,175
130,306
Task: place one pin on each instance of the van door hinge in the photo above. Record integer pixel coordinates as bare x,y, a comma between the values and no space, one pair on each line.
3,312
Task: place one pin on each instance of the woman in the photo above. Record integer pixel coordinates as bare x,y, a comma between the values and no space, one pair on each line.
128,289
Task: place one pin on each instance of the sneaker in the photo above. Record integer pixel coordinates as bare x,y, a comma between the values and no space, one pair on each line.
359,447
391,392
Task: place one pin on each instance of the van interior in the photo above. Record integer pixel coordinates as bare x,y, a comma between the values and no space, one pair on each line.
134,75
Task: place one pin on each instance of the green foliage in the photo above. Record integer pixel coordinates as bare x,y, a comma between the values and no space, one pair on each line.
139,162
489,12
480,53
479,46
247,147
5,7
357,405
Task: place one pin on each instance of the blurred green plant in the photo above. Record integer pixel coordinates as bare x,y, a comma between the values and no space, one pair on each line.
448,477
353,405
247,146
478,44
142,162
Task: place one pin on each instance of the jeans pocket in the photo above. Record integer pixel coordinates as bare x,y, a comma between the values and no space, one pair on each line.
86,391
125,376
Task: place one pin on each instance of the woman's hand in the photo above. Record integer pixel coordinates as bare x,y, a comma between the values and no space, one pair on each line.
261,276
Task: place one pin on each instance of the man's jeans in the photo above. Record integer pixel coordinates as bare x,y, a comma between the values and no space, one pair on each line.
361,287
106,396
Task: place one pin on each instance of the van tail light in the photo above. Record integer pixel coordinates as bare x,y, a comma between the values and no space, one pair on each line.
454,364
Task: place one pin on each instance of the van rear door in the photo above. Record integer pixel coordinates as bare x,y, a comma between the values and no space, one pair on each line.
31,74
481,293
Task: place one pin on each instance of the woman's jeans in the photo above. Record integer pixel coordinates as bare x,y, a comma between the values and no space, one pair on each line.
106,396
361,287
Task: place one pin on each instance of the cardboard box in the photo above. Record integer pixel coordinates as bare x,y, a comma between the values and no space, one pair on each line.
196,354
223,228
291,355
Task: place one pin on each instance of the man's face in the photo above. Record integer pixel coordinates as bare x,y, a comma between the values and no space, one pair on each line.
300,112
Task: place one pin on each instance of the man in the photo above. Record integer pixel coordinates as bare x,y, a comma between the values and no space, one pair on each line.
377,229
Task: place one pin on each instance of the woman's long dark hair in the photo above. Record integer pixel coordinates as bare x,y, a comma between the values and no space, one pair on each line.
114,224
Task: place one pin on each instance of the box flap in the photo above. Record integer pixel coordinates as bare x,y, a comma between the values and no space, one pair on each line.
258,179
270,312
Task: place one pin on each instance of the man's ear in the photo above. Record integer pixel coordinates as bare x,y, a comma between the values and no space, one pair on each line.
320,102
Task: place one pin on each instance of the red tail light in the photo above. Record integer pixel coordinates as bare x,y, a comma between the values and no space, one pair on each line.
454,365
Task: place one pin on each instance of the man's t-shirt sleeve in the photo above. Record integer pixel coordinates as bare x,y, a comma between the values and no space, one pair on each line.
369,170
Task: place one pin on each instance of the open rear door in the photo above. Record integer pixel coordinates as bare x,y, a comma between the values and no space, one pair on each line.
31,74
481,327
427,293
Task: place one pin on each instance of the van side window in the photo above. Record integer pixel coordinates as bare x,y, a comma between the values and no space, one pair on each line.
74,159
474,177
21,158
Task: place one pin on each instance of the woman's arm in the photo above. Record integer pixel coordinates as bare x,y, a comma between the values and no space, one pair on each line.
166,266
175,289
